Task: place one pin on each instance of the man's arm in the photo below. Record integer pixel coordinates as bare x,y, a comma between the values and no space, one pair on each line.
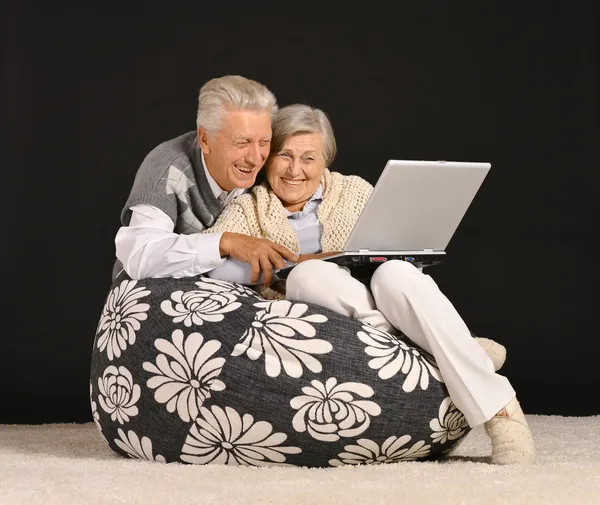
148,247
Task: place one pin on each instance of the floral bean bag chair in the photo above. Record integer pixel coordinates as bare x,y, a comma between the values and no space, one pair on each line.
201,371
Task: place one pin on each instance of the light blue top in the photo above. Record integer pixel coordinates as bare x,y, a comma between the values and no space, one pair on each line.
308,228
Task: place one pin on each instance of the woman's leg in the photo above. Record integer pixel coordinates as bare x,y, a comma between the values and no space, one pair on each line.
413,303
329,285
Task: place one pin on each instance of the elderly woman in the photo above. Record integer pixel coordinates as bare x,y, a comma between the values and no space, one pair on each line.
311,211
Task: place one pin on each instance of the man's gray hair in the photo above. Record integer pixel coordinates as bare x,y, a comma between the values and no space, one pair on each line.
231,92
300,119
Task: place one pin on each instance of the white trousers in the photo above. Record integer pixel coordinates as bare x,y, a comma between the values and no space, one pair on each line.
404,298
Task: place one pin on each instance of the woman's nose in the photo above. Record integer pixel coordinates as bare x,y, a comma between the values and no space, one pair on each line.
294,168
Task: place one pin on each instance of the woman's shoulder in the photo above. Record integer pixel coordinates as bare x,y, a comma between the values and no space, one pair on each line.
352,182
240,215
354,192
243,204
244,199
259,190
263,196
248,199
250,202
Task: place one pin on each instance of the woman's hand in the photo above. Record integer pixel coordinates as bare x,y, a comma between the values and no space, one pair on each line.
317,256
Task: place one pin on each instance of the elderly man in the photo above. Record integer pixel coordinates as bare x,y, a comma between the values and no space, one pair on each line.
183,185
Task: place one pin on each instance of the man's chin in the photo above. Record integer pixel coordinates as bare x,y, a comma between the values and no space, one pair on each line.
245,183
242,180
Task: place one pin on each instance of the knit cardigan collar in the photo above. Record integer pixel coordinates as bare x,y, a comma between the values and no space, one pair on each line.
272,217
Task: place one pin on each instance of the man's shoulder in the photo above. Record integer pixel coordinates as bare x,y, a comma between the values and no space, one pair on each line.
175,151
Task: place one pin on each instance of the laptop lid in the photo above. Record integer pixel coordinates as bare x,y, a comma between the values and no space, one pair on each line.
416,205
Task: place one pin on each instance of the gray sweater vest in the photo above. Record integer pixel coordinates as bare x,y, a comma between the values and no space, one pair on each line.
172,179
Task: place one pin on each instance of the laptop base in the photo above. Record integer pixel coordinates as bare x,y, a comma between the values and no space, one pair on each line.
365,264
418,260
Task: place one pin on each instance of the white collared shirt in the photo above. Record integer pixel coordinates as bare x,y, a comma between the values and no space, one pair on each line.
220,194
148,247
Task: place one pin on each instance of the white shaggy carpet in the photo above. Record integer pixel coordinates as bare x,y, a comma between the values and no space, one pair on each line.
68,464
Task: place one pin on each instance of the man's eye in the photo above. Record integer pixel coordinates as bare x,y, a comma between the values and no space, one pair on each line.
284,155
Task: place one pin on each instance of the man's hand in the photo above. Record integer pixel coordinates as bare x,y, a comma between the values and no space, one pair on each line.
260,253
317,256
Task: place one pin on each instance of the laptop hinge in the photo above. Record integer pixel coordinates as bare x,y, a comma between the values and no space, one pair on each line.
363,251
428,250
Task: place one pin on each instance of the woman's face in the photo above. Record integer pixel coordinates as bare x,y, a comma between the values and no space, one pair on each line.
295,171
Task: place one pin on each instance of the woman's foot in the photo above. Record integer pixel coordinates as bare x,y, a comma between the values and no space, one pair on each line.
512,442
496,351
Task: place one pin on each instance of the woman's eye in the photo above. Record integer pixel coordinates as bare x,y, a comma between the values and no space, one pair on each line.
284,155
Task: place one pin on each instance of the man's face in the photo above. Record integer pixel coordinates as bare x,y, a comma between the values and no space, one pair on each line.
236,153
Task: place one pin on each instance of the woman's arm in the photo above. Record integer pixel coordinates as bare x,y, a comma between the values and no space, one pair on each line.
233,270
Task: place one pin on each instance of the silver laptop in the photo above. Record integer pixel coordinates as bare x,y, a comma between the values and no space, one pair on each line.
412,213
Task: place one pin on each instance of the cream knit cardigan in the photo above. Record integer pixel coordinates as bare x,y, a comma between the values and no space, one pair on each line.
261,214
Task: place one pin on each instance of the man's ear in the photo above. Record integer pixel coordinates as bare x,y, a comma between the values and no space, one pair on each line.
204,140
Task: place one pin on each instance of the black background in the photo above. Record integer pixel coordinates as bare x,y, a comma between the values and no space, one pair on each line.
88,91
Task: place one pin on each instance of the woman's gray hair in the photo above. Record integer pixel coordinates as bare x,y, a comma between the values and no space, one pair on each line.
232,92
300,119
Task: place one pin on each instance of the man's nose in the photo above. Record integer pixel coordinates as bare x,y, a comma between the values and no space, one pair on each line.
254,155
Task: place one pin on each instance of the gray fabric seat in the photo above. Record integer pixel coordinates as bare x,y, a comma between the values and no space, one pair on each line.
201,371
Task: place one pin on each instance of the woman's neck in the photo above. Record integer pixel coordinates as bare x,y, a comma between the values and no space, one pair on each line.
293,207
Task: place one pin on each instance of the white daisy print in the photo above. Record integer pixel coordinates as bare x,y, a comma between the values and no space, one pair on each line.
218,286
450,423
222,436
285,335
121,318
136,448
391,355
329,411
394,449
185,373
196,307
118,394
